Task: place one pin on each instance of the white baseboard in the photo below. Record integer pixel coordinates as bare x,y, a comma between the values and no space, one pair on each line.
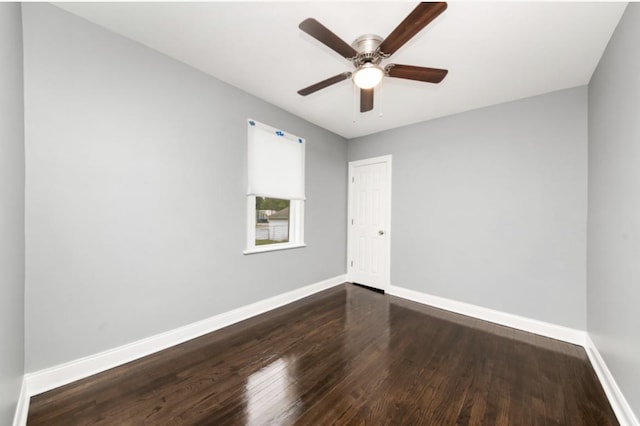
22,408
617,400
566,334
51,378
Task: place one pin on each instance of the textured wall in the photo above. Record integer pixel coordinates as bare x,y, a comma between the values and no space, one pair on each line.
613,286
136,188
11,211
489,206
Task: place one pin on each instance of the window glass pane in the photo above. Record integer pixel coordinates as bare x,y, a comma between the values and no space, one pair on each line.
272,221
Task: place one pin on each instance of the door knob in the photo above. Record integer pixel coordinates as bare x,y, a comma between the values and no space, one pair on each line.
381,232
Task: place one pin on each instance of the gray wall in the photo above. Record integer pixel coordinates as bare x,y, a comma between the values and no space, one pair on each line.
11,211
135,197
489,206
613,286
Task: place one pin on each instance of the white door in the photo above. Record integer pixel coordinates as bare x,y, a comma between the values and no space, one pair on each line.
369,222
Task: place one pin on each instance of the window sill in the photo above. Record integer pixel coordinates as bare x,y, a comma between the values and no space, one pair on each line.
274,247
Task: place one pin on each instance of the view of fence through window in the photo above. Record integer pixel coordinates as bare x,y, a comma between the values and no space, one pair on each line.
272,221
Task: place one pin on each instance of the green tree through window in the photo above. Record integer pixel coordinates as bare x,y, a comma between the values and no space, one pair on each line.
265,203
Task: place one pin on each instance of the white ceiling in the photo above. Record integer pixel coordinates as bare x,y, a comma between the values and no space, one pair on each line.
495,52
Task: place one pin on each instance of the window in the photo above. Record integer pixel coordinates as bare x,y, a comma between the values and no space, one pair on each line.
272,220
275,190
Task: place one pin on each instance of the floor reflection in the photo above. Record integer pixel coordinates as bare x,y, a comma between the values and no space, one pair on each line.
344,356
271,394
368,313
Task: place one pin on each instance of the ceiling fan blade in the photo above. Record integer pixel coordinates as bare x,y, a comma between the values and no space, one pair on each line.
410,72
324,83
321,33
366,100
418,19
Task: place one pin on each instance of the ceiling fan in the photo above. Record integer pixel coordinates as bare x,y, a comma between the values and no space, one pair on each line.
368,51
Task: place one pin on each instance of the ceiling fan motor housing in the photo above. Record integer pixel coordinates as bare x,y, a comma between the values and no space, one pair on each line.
367,48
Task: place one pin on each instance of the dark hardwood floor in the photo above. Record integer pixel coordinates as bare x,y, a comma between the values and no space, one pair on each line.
344,356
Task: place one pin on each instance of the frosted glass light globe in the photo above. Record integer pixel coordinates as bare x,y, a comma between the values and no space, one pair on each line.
368,76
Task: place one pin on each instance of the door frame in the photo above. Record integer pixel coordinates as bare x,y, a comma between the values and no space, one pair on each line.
387,249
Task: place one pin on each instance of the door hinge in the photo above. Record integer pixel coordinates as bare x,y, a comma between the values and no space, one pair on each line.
352,263
353,180
352,221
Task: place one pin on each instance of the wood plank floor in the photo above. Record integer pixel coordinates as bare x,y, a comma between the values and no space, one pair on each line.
344,356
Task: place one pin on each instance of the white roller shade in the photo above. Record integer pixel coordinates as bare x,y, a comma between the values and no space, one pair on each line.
275,163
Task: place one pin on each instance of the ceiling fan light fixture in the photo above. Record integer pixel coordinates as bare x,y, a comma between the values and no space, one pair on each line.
368,76
368,51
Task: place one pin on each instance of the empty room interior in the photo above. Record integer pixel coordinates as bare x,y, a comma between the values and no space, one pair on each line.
320,213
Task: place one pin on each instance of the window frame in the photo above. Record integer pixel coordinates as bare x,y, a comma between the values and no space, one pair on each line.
296,205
